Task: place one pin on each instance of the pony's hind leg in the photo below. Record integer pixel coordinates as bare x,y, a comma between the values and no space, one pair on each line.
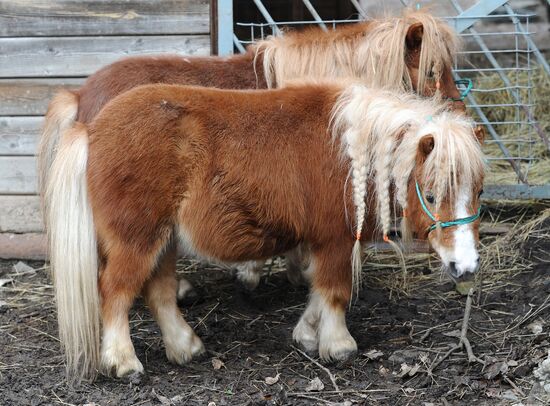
298,271
249,274
120,281
326,310
180,340
305,332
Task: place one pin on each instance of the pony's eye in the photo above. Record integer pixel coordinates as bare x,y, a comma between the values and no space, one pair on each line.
431,74
480,193
430,198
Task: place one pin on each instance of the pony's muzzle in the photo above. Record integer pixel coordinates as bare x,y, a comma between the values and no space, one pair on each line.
463,271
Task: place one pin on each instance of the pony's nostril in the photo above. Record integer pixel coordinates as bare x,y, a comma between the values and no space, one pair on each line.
452,268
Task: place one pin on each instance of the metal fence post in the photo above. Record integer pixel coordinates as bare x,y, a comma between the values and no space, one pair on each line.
225,27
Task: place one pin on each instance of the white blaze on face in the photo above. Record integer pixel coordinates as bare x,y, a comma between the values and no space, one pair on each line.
463,252
466,256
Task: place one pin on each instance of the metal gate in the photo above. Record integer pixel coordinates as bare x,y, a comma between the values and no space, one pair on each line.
502,98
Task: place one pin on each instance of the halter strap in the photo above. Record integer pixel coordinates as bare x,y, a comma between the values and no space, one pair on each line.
466,82
443,224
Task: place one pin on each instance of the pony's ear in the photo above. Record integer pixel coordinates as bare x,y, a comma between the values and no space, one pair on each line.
426,145
480,134
413,40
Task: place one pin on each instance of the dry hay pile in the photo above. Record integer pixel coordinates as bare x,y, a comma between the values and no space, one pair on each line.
538,170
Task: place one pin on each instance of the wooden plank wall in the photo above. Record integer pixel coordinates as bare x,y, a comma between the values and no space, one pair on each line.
46,45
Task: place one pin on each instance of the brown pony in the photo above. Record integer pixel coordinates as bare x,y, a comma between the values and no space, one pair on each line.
414,52
238,176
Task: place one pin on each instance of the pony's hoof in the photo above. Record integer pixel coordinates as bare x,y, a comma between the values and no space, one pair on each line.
128,368
248,280
344,358
339,351
186,293
183,351
306,337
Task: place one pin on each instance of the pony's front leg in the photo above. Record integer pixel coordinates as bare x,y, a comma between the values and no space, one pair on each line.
180,340
326,312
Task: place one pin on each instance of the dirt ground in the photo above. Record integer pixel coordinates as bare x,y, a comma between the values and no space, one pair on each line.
402,332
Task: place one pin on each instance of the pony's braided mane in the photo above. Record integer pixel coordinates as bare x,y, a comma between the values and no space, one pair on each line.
380,131
372,51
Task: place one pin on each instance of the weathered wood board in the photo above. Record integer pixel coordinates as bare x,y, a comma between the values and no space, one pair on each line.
30,97
18,175
20,214
19,135
95,17
27,246
82,56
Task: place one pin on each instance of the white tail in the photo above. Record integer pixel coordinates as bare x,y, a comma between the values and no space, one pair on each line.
73,255
60,117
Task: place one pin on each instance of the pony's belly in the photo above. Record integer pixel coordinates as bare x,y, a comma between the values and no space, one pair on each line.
225,235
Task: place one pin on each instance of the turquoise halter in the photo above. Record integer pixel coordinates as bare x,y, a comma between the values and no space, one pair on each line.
465,82
444,224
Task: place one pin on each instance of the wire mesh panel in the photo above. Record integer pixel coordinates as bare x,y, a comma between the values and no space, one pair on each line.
507,71
502,97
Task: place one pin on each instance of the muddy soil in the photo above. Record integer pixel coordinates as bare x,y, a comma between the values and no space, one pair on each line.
251,360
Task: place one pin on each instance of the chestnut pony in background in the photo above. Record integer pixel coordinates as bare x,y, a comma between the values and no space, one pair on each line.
240,176
409,53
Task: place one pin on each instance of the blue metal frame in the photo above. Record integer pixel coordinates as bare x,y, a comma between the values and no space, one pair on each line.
468,17
225,27
514,192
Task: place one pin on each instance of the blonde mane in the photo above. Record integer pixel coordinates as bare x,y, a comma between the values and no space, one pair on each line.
373,52
380,131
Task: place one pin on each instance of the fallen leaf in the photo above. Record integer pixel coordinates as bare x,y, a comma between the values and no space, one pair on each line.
373,355
509,395
272,380
493,370
542,373
462,380
162,399
383,370
315,385
453,333
535,327
414,370
512,363
217,363
407,370
401,356
22,267
5,282
493,393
